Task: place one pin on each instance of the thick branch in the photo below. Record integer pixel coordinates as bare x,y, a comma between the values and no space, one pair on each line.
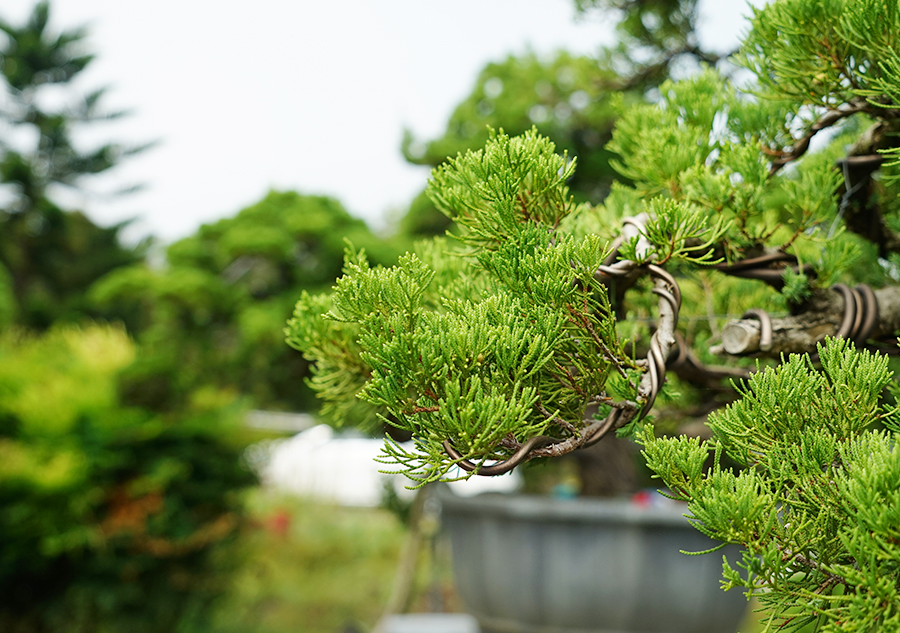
861,216
713,378
800,333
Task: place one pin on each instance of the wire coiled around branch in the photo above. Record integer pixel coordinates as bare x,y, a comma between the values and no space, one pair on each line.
621,413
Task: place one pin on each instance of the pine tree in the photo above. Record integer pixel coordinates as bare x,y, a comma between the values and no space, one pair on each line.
545,325
52,255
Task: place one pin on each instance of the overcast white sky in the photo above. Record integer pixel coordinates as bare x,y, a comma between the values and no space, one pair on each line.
299,94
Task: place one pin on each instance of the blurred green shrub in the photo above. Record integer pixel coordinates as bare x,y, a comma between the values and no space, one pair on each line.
214,316
111,514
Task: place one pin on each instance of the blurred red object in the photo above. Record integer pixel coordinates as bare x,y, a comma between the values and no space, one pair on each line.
643,498
278,523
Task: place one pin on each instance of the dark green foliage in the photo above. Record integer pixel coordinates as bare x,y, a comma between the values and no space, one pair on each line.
52,255
653,37
111,513
285,241
7,299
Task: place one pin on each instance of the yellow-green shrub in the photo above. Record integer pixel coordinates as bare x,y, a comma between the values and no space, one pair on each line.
110,513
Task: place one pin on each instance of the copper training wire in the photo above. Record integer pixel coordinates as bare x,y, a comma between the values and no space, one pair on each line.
858,322
666,288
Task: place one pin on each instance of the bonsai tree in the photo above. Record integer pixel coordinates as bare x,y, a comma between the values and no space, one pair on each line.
545,325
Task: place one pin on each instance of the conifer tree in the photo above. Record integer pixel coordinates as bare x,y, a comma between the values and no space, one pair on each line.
52,255
568,98
545,325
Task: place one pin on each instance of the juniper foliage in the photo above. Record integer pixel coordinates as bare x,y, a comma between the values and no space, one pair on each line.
504,333
816,502
489,341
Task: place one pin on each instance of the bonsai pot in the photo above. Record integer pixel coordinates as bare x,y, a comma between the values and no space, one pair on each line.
541,565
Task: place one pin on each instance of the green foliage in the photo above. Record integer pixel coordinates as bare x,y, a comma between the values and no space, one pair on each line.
700,146
695,147
491,192
514,342
816,508
826,54
112,513
7,299
676,231
655,40
571,100
339,373
52,255
214,316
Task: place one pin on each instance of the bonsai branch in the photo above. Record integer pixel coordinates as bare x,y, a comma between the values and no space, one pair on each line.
801,145
661,344
831,578
860,314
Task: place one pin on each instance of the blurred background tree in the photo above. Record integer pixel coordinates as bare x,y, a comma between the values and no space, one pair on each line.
655,41
51,254
563,96
214,315
116,506
572,100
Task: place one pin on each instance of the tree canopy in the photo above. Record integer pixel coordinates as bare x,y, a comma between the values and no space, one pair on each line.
214,314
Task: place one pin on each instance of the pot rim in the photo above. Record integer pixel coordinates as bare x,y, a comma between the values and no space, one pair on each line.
578,510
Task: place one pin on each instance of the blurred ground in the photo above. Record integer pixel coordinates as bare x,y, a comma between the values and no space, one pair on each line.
313,567
308,566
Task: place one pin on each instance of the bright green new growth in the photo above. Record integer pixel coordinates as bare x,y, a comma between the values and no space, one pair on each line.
492,192
486,343
816,504
700,146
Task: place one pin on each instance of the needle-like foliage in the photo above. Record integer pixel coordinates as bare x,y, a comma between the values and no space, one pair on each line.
506,333
817,503
488,342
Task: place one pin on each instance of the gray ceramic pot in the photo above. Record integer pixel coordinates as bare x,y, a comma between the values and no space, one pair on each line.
540,565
